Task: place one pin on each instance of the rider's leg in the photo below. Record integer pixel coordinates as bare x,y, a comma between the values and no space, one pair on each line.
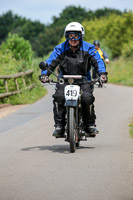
88,110
92,114
59,110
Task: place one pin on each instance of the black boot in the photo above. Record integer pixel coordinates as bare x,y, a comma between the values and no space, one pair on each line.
91,131
59,131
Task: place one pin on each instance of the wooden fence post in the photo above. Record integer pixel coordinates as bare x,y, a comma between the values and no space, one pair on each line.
16,83
6,85
23,81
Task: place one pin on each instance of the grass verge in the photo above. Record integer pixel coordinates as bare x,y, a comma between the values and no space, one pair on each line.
120,71
131,128
28,97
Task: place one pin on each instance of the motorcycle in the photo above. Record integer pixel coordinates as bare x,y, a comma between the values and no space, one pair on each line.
74,129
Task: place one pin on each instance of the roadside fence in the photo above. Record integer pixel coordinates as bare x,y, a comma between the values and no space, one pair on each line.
18,84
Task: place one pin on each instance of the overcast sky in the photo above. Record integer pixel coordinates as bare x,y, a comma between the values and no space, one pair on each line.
44,10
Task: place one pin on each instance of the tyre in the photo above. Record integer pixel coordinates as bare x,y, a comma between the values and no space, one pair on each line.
72,129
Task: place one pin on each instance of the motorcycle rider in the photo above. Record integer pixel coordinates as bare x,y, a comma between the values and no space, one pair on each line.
103,55
73,58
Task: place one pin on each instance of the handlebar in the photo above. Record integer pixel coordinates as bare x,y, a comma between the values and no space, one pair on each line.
69,78
73,76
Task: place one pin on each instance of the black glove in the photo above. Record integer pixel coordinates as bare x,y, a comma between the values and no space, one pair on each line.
44,78
103,78
43,65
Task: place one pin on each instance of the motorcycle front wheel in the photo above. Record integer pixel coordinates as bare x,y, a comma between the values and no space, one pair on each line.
72,129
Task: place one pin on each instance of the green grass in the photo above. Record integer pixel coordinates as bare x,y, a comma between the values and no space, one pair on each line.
131,128
121,71
28,96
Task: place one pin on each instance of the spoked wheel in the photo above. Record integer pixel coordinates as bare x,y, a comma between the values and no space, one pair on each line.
72,130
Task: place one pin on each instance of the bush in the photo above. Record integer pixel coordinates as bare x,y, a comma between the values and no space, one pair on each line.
16,56
127,50
18,46
9,65
115,30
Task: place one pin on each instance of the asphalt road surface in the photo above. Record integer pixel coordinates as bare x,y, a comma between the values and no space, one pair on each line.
36,166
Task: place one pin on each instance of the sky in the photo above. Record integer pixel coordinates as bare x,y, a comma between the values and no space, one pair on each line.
44,10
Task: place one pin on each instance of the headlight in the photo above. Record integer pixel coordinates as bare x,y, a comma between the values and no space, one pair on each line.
70,81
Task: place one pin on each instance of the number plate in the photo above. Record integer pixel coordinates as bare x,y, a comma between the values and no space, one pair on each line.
72,92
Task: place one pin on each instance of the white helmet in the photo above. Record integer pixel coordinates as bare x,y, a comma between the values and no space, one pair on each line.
75,26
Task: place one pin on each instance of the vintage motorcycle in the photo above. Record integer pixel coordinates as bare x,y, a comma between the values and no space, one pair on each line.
74,129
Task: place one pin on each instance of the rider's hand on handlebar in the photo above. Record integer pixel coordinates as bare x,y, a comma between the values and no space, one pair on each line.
43,78
103,78
107,60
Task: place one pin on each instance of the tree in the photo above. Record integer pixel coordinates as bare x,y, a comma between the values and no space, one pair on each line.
115,30
30,31
8,22
106,12
44,38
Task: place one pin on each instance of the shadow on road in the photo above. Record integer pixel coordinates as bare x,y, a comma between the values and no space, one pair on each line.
54,148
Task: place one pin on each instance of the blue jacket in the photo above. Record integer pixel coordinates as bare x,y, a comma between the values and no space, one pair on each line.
77,63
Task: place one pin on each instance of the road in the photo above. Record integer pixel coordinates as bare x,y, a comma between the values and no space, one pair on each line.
36,166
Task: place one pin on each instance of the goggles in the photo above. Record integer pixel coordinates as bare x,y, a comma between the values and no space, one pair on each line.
73,36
